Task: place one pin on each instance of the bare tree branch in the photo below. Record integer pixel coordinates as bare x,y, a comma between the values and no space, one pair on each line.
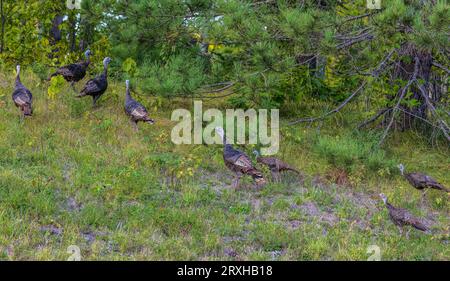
376,72
441,67
374,118
358,32
227,86
217,97
403,92
366,37
337,109
418,117
444,127
359,17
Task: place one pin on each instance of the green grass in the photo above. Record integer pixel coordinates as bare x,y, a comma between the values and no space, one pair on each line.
73,175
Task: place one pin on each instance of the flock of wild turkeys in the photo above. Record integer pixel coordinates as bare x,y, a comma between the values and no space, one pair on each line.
95,88
237,161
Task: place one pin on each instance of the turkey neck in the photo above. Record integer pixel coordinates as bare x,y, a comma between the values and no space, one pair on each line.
18,83
389,206
227,145
128,96
228,148
87,61
105,70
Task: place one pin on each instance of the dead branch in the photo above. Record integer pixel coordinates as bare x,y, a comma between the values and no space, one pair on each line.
403,92
374,118
443,126
355,33
394,110
418,117
376,72
441,67
349,19
355,37
217,97
366,37
227,86
337,109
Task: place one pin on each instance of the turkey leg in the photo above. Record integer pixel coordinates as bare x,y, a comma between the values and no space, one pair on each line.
236,182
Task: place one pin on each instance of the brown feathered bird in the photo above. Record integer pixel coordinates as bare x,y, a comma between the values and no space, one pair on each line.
401,217
135,110
22,97
275,165
421,181
98,85
74,72
239,163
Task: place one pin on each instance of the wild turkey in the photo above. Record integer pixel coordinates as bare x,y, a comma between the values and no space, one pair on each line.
401,217
74,72
275,165
22,97
239,163
98,85
421,181
135,110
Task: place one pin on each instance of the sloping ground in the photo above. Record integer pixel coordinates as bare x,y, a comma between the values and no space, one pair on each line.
73,175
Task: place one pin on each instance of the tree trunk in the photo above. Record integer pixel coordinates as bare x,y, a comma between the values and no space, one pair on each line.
73,36
55,33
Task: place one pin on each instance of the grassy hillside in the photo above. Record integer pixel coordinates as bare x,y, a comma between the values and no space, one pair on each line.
73,175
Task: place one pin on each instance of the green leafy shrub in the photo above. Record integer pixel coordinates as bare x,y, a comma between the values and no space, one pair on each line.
56,86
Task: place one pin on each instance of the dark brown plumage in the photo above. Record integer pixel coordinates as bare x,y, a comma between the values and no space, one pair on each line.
97,86
136,111
421,181
275,165
22,97
401,217
74,72
239,163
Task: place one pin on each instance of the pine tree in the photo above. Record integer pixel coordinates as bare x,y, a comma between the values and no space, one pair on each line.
275,53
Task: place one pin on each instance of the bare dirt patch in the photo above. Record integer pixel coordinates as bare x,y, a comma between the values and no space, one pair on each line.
311,209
